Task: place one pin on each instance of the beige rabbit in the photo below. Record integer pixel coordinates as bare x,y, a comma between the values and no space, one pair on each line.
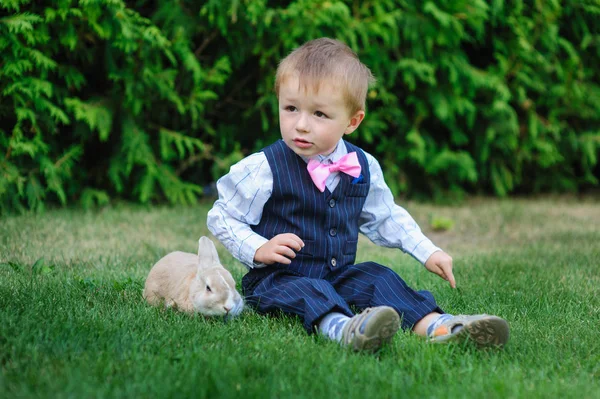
194,283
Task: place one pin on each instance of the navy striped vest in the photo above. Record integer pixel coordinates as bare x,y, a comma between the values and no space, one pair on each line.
326,222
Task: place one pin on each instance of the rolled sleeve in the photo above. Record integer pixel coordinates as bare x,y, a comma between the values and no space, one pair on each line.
248,249
423,250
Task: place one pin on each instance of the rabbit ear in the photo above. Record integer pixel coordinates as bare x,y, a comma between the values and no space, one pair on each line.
207,252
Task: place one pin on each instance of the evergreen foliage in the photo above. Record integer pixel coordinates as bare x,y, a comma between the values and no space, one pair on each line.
151,100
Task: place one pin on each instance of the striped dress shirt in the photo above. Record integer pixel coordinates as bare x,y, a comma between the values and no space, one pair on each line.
247,187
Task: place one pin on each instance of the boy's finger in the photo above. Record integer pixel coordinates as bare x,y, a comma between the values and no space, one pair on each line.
298,240
446,274
293,241
281,259
286,251
295,238
450,278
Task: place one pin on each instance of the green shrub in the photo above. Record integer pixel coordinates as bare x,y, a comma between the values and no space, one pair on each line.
98,101
151,100
440,223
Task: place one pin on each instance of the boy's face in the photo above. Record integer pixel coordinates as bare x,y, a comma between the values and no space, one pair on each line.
313,123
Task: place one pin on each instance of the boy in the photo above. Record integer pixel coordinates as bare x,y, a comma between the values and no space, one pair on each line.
292,213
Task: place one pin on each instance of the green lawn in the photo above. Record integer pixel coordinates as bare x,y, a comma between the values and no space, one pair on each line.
73,322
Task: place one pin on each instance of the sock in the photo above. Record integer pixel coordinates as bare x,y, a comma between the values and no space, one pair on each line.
332,325
437,322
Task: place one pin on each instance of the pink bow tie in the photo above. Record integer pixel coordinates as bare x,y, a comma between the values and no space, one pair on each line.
320,172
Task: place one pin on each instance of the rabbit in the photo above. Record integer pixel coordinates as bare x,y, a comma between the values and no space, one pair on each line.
193,283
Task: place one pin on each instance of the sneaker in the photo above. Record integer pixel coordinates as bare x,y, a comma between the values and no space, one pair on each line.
484,330
370,329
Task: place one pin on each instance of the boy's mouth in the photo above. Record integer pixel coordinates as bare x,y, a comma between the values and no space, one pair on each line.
302,143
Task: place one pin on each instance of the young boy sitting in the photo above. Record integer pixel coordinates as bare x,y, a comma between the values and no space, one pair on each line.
292,213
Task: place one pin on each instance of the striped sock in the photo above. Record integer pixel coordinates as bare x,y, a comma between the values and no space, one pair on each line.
332,325
437,322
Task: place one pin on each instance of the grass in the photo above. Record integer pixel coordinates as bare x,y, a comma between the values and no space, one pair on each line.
73,322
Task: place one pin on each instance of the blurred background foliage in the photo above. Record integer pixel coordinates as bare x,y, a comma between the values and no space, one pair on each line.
151,101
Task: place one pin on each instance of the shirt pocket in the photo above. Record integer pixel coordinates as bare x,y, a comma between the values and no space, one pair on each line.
357,190
350,247
307,251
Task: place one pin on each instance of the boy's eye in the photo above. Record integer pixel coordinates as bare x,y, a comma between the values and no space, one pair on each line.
319,114
290,108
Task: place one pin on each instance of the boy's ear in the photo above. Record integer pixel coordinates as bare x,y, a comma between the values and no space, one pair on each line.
355,121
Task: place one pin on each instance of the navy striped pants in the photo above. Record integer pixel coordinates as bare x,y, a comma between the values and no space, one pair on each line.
363,285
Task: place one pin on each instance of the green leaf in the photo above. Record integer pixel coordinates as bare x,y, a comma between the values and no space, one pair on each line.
91,198
20,23
95,113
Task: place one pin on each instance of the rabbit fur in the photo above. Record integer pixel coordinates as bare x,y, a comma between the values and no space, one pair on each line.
194,283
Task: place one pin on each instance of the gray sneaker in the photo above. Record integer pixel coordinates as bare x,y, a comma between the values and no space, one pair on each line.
484,330
370,329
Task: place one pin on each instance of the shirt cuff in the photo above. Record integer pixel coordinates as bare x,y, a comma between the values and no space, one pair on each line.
424,250
248,250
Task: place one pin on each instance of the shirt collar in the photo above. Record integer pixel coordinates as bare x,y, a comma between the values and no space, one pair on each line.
339,151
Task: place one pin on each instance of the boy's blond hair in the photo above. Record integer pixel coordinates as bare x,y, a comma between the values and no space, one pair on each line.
328,60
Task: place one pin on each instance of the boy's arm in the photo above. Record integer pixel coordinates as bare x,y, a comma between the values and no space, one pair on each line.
388,224
243,193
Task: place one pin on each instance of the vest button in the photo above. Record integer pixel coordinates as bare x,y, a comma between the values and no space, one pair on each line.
331,203
333,262
332,232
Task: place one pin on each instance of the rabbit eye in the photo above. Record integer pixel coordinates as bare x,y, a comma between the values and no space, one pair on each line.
208,288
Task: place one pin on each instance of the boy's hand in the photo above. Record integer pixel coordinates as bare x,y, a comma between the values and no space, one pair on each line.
440,263
279,249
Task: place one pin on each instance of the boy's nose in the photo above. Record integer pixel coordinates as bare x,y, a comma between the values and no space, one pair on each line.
302,123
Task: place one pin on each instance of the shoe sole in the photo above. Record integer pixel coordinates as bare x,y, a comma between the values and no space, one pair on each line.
486,332
383,326
492,331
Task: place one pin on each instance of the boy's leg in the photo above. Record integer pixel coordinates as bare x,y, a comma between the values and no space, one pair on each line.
370,284
309,298
318,304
